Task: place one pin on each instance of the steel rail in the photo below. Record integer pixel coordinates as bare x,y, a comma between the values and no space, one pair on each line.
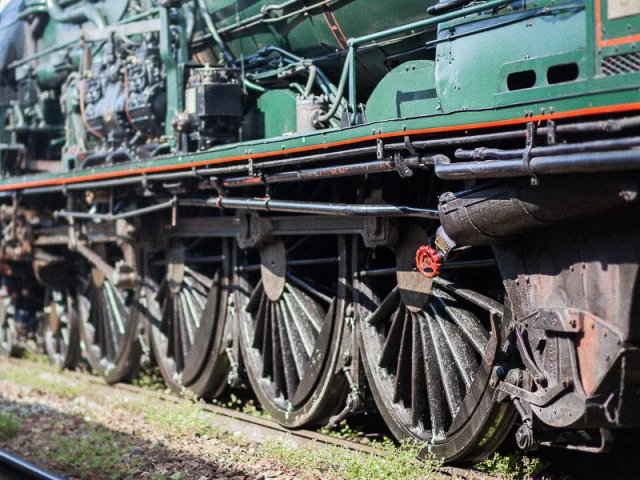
262,430
23,467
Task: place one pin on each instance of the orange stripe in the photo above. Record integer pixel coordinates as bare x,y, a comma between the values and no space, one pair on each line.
335,35
612,41
180,166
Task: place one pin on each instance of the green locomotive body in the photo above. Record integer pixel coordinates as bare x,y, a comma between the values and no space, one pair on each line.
337,199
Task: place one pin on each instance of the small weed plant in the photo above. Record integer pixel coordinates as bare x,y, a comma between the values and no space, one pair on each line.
394,463
98,449
9,426
515,466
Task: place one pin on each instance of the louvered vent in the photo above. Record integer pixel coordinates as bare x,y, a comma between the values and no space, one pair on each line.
624,63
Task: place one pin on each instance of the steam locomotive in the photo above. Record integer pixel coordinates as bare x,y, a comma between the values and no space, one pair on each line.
425,208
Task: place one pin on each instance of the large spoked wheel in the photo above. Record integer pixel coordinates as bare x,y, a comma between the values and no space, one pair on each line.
189,334
109,319
426,344
290,304
62,328
8,332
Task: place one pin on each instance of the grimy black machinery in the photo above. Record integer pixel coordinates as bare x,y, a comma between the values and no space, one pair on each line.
428,208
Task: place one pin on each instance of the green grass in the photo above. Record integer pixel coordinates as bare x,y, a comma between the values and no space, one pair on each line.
515,466
151,379
342,430
95,449
35,357
9,426
44,378
337,462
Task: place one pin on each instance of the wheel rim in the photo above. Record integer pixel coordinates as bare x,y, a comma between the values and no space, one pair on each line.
188,321
290,299
424,341
109,321
62,329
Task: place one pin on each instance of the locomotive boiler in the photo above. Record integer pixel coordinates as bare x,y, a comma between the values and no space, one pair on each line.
426,208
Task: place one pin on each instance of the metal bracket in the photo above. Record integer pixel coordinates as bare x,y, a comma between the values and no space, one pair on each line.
545,397
402,166
354,403
538,376
409,146
551,132
526,157
565,320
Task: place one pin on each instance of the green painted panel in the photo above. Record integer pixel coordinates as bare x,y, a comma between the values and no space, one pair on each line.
471,69
408,91
619,19
278,112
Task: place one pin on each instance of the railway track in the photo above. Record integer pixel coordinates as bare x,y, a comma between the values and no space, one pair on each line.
13,467
261,430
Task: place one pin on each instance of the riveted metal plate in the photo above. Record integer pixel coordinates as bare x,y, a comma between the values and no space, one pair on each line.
622,8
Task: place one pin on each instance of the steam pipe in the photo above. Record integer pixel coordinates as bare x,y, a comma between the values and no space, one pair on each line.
76,15
318,208
553,164
214,32
339,94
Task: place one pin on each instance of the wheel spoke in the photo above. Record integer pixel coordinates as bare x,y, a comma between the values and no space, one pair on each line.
288,360
203,280
402,383
462,352
178,353
482,301
278,377
418,387
255,298
261,323
304,304
195,307
386,308
391,347
300,336
308,287
267,336
187,321
435,391
108,327
450,379
466,320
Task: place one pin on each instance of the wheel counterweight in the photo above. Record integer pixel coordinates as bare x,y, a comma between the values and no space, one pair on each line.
425,344
290,304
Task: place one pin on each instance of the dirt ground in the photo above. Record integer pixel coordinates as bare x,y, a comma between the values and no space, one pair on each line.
94,432
86,431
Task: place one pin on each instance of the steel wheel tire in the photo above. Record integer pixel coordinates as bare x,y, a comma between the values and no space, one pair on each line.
290,332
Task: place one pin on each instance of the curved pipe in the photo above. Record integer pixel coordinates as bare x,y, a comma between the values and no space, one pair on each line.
338,100
75,15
